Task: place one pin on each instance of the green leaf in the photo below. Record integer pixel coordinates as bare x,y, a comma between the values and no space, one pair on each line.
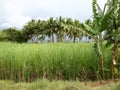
89,29
107,19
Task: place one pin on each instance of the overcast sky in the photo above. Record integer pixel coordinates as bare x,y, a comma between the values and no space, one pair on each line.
15,13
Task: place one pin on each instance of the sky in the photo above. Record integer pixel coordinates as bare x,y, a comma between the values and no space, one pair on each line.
16,13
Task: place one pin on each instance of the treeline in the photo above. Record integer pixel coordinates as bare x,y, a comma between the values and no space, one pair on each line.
52,30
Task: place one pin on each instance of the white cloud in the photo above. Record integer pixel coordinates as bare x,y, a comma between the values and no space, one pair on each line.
18,12
4,25
16,21
19,20
42,18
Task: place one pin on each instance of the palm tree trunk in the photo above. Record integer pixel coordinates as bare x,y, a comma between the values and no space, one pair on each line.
58,36
61,36
74,38
86,39
64,37
59,39
52,37
42,39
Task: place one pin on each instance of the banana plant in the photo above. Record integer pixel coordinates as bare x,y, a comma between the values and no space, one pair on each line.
113,34
102,20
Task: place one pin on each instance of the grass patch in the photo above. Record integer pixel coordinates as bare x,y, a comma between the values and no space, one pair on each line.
54,61
44,84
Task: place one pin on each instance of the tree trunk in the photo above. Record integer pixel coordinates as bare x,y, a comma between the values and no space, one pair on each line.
42,38
101,60
114,62
52,37
58,36
59,39
102,68
74,38
86,39
64,38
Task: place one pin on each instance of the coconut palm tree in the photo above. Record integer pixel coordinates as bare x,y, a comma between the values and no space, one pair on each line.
77,33
73,29
51,28
60,28
42,29
28,30
68,27
88,22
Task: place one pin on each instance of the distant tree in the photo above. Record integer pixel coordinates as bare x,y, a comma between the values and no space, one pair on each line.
60,28
12,34
42,30
29,30
73,29
88,22
68,27
77,32
3,36
51,28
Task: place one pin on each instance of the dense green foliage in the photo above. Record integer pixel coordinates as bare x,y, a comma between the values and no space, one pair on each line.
13,35
3,36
